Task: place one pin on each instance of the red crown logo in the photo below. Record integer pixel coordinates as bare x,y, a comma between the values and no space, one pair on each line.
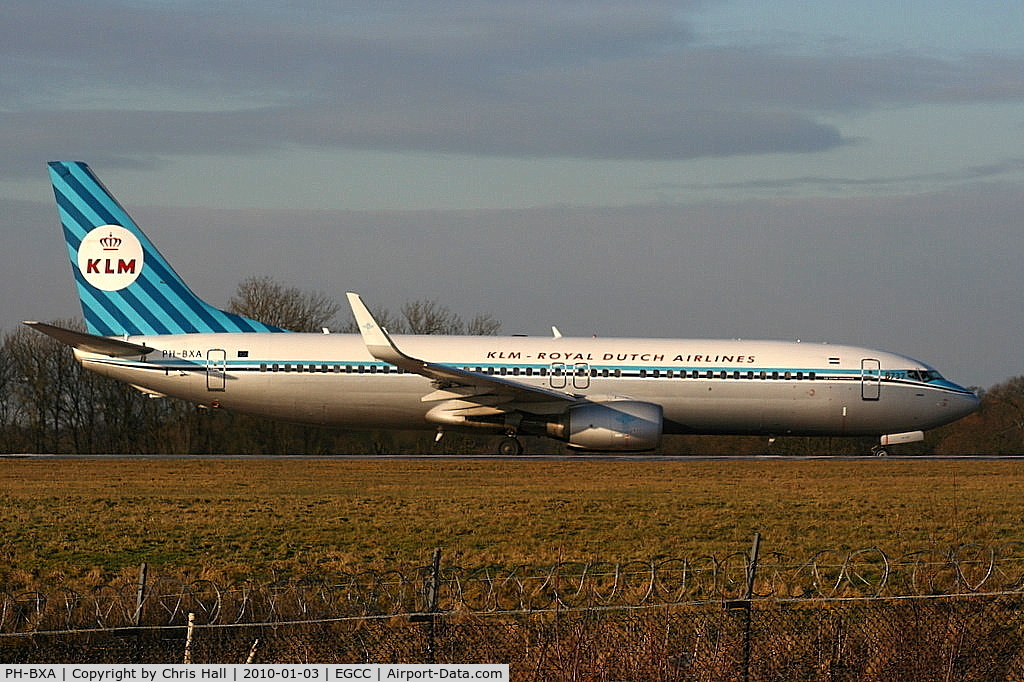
110,242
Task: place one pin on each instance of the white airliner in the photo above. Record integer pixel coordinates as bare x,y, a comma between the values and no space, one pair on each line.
148,329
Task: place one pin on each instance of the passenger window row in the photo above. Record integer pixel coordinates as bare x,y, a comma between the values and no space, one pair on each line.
329,369
724,374
545,371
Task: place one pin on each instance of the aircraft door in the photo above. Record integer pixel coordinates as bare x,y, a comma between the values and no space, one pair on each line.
216,369
558,379
581,375
870,379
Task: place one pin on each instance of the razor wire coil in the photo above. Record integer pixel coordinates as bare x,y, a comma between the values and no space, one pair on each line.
864,573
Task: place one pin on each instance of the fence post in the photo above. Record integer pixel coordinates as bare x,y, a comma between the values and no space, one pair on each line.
752,566
188,638
744,605
433,586
252,652
140,596
755,550
434,582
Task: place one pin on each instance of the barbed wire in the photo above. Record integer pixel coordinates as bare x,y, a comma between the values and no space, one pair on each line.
835,574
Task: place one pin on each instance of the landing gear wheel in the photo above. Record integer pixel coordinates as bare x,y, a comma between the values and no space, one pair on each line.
879,451
510,447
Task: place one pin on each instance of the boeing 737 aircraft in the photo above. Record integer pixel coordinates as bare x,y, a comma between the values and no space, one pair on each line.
148,329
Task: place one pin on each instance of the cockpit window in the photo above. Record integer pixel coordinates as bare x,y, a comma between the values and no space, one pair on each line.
924,375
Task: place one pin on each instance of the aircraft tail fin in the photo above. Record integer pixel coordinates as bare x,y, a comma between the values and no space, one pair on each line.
125,285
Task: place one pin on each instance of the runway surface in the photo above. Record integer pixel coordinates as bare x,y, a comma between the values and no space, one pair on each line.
540,458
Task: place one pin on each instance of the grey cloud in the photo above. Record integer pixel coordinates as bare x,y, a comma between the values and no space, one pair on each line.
135,138
602,130
1004,167
535,79
124,139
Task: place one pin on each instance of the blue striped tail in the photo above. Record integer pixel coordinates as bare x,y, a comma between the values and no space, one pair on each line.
125,285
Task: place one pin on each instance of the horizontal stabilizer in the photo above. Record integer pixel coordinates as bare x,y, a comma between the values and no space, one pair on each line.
115,348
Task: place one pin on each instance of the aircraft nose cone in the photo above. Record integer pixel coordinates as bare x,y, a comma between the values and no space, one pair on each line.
964,403
970,403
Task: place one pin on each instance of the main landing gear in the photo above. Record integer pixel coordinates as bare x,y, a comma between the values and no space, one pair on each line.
510,446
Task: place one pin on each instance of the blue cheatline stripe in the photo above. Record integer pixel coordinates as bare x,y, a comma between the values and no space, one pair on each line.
158,302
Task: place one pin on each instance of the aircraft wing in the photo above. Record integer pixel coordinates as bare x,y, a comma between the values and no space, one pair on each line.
115,348
383,348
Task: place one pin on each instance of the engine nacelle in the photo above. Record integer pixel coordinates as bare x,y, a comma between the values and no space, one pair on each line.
615,425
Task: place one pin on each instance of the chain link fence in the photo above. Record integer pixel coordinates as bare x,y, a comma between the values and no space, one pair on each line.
856,615
978,637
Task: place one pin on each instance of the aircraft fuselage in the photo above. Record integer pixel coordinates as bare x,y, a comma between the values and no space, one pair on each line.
703,386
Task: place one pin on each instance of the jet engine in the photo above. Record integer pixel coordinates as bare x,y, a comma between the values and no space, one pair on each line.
616,425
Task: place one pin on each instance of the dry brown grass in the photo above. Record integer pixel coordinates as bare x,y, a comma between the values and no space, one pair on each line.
86,519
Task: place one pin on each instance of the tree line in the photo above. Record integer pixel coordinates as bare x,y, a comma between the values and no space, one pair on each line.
49,404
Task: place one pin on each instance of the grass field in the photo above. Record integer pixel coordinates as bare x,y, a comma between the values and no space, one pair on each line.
70,518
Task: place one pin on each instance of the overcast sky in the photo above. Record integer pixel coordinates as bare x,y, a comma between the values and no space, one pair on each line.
829,171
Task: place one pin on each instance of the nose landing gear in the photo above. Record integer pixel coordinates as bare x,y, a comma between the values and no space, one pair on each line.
895,439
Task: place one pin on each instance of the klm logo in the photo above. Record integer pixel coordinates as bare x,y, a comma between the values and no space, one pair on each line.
110,257
123,267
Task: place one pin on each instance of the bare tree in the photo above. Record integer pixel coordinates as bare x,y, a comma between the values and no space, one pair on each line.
11,406
427,316
271,302
47,379
483,325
